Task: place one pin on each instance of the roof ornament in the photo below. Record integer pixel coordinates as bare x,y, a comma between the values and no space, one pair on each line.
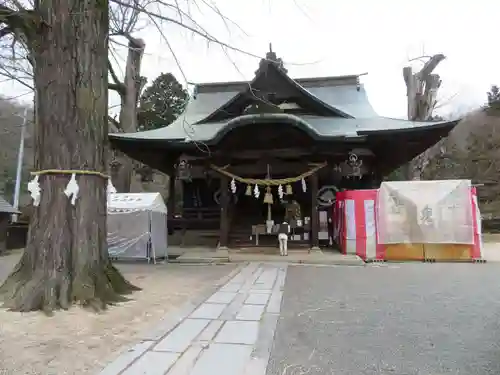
271,58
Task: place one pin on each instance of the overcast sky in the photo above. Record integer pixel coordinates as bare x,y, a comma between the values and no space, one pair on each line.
336,37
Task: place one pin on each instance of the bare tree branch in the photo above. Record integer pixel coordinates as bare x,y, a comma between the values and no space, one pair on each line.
421,89
116,126
127,18
200,32
116,85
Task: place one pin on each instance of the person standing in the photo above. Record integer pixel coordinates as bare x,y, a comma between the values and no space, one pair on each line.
283,231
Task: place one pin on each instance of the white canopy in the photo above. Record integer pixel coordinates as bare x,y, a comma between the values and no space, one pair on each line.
129,202
137,226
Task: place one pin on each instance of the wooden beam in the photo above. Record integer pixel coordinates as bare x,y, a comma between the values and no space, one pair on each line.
171,195
288,153
224,213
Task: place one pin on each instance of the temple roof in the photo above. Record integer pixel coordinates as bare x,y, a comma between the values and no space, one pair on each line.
316,126
334,108
6,207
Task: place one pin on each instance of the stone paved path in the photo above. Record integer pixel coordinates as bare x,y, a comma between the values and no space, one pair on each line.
230,333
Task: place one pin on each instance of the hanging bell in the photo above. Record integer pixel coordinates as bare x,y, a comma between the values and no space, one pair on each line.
248,192
289,190
268,198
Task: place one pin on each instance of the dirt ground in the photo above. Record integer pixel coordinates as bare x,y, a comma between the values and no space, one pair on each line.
81,342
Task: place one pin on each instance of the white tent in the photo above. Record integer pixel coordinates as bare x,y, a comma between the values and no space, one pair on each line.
137,226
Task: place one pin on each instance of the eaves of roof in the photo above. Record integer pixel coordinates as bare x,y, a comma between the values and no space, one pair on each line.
317,127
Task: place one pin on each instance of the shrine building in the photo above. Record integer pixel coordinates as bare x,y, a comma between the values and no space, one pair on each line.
252,154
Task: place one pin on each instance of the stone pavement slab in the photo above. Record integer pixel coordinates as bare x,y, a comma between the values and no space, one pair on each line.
223,359
222,297
251,312
153,363
238,333
208,311
180,338
257,299
230,333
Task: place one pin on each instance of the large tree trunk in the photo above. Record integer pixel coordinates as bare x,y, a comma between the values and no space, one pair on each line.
66,259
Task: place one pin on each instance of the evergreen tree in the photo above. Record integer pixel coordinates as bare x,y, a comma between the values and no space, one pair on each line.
161,103
494,98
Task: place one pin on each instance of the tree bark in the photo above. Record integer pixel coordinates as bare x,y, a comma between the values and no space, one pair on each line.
128,113
66,259
421,89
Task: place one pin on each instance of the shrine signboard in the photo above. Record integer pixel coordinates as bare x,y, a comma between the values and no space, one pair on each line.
422,212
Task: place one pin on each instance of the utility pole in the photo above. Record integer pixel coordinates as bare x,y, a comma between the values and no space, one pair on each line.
20,157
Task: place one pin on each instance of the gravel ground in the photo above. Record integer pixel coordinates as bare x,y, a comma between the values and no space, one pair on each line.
418,319
81,342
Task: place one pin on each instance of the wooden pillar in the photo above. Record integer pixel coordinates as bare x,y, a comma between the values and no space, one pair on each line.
171,203
171,195
377,179
4,219
224,212
313,181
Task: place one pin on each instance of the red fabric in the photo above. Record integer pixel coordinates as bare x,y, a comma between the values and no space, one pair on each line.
359,197
476,248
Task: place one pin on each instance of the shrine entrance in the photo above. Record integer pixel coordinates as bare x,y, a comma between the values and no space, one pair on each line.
284,123
258,205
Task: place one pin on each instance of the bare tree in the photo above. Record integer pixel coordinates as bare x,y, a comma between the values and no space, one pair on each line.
421,89
124,23
471,152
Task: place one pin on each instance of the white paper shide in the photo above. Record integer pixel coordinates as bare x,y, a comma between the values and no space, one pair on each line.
35,191
72,189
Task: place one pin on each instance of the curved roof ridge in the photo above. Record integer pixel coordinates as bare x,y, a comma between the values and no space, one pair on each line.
291,81
311,95
227,86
